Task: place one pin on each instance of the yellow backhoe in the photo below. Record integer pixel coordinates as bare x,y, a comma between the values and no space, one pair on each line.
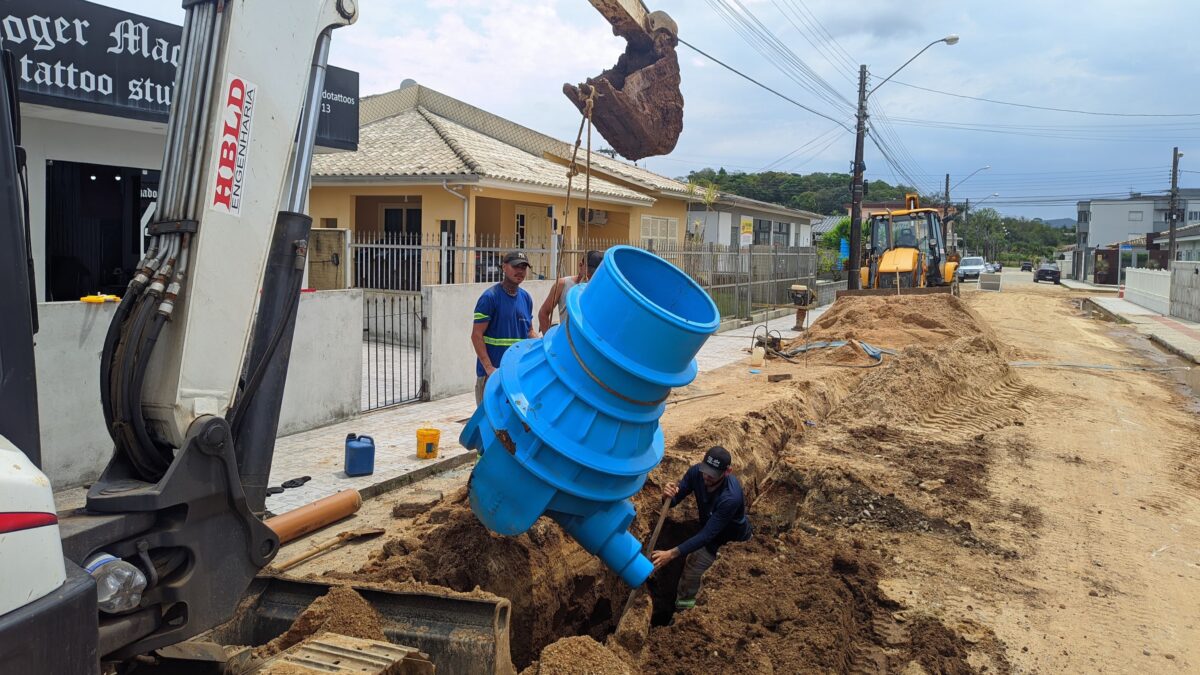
906,254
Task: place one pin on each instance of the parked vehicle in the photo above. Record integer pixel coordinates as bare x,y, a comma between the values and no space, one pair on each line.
970,268
999,266
1027,266
1047,271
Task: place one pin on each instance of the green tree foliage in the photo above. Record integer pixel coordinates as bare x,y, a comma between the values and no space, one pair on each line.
833,238
1010,239
826,193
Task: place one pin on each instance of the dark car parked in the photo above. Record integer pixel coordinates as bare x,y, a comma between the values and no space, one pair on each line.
1026,266
1047,272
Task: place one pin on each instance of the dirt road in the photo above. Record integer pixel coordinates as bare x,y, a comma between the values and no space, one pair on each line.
943,512
1108,578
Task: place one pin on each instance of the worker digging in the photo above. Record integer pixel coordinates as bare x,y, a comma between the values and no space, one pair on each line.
656,476
723,519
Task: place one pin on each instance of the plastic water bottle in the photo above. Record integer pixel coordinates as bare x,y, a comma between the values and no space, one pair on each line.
119,585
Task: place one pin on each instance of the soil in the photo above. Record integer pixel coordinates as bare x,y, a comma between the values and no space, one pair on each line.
577,656
341,611
941,512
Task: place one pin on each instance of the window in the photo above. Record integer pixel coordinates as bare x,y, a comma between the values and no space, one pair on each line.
657,229
783,232
1193,215
520,230
329,222
1135,216
762,231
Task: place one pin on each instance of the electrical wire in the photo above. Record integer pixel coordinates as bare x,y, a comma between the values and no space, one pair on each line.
1042,107
760,84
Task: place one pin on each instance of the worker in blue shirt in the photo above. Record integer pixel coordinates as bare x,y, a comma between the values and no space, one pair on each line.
722,520
503,317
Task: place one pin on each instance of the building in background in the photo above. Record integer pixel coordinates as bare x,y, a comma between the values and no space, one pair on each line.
1105,222
740,221
96,85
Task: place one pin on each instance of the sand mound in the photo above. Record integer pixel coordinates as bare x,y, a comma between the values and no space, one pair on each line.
920,380
577,656
341,611
896,322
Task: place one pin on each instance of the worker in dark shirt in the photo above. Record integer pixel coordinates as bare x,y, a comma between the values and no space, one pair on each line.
722,520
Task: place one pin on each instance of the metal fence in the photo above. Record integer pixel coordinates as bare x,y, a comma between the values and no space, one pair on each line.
391,358
740,280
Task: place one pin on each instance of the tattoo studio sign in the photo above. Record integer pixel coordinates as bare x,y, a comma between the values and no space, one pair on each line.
88,57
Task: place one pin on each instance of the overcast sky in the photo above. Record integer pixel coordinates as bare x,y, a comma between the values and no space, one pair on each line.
512,56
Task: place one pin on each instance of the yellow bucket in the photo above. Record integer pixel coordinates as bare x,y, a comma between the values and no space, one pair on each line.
427,443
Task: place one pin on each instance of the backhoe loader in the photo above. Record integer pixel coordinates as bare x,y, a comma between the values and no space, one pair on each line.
906,254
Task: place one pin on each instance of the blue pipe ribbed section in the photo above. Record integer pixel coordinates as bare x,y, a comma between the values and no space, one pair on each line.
568,426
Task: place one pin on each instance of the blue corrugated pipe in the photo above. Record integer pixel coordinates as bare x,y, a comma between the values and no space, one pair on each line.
569,422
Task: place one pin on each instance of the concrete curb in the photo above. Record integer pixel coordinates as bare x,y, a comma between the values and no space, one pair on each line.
432,469
1112,316
1158,340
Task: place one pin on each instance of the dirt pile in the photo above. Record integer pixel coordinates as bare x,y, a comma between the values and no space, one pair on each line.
896,322
787,604
341,610
555,587
923,381
577,656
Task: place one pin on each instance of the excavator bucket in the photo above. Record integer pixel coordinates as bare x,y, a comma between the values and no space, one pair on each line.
636,104
460,633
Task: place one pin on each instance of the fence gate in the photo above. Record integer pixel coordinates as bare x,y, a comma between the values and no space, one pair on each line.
391,349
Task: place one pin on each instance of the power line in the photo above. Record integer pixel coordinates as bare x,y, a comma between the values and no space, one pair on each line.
760,84
1042,107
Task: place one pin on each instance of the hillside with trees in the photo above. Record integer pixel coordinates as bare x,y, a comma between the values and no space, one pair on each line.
825,193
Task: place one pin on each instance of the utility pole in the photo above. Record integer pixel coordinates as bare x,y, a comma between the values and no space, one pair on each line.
856,188
1172,211
966,209
946,230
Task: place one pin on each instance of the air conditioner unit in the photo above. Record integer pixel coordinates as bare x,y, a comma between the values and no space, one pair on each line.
598,217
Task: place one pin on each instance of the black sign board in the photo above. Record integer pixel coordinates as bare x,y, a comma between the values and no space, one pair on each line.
337,127
88,57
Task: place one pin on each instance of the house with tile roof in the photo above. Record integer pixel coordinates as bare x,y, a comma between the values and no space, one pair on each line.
429,164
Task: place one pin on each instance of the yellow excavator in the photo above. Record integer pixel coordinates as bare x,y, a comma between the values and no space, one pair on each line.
907,254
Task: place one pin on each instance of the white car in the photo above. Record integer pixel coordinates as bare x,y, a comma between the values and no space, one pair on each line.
970,268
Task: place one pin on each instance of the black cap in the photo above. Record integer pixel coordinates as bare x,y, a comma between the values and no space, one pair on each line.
716,462
515,258
593,259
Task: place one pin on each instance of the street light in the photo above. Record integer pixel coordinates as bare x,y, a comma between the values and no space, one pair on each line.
947,228
856,191
982,168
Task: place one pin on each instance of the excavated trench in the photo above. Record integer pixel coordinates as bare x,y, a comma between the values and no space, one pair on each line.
801,594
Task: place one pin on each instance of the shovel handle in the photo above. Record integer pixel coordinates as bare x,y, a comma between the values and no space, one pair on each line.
320,548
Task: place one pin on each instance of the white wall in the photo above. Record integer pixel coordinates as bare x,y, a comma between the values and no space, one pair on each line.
1110,222
324,383
448,361
1149,288
323,378
47,139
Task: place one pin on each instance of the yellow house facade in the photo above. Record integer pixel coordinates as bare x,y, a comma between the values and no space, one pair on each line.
431,169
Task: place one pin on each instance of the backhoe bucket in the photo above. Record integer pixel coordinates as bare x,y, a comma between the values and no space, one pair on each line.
636,104
460,633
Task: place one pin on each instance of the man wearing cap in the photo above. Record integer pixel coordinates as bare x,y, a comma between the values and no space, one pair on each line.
558,294
503,317
722,519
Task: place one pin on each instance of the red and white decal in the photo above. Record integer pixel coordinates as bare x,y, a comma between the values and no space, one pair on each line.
233,146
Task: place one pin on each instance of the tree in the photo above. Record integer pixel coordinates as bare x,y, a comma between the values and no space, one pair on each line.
833,238
826,193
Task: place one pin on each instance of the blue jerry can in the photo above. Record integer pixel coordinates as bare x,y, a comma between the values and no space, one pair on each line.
360,455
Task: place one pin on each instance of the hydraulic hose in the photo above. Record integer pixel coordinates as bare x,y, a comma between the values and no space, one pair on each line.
106,354
135,441
152,454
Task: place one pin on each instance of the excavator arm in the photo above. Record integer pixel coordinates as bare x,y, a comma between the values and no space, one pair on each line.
636,105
